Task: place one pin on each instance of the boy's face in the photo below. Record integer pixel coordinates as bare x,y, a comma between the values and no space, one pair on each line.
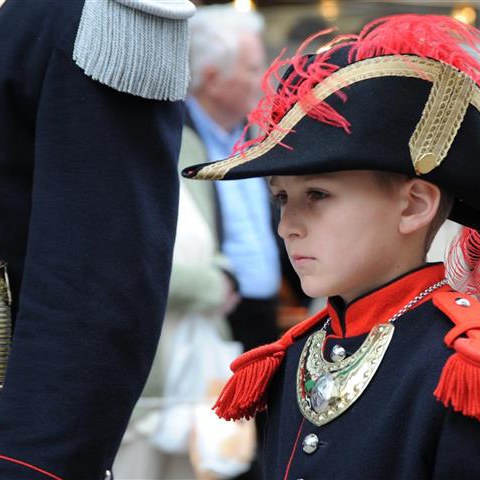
341,231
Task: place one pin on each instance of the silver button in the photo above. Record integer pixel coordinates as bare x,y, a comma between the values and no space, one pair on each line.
463,302
310,444
108,475
338,353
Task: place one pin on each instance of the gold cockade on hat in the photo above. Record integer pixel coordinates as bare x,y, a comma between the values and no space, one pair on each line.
441,119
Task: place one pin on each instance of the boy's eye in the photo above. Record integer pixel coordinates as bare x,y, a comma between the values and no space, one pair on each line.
279,199
316,195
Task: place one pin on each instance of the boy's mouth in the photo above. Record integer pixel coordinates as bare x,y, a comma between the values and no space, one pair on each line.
301,260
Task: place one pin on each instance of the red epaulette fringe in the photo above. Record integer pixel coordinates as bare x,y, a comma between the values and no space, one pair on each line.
459,384
245,393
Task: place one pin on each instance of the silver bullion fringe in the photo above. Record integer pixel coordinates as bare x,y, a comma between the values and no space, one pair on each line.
132,51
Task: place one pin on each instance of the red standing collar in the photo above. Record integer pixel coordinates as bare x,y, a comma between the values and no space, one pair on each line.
361,315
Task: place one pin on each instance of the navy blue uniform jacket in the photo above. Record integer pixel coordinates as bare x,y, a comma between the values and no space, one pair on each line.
396,430
88,203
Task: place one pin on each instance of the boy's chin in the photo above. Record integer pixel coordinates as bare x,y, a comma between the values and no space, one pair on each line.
314,290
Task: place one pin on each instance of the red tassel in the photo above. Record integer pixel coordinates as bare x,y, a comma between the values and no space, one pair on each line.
459,384
245,393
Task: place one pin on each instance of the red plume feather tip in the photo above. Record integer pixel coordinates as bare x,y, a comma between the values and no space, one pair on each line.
462,262
430,36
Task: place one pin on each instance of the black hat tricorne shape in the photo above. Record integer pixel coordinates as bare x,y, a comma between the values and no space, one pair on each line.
402,96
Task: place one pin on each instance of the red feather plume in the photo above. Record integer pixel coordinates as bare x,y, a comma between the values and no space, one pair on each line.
431,36
462,263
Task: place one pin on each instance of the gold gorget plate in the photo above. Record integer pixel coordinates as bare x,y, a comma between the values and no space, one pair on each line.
327,389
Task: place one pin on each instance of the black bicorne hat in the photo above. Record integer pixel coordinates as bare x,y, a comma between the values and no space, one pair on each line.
402,96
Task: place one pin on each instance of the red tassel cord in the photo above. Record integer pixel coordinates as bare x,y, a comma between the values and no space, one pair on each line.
462,263
245,393
459,384
429,36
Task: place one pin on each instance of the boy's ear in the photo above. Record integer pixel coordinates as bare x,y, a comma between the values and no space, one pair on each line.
420,202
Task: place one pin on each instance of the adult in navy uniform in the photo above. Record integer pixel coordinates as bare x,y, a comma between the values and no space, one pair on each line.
383,136
90,123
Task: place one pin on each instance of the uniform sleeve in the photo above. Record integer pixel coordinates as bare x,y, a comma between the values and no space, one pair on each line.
100,235
458,452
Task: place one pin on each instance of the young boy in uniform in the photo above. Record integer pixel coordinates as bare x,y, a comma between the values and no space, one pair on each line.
369,146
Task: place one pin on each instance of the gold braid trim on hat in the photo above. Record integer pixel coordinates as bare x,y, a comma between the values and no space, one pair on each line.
451,94
441,119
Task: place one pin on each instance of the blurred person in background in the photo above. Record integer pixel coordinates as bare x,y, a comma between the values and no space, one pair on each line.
88,206
227,59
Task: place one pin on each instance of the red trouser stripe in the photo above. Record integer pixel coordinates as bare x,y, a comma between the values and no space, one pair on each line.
31,467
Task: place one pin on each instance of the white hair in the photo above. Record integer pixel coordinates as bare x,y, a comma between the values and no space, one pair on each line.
215,34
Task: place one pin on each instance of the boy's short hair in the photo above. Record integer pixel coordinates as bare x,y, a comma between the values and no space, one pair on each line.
388,181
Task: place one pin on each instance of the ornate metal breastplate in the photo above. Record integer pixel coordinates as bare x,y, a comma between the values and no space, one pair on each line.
326,389
5,321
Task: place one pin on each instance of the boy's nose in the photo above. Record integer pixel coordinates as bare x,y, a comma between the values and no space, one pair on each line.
290,224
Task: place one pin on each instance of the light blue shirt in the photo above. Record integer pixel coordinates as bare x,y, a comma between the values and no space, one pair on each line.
248,239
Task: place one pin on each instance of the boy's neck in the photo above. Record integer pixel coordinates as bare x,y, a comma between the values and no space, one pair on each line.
396,271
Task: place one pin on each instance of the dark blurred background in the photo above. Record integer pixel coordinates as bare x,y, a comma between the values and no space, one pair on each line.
288,22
